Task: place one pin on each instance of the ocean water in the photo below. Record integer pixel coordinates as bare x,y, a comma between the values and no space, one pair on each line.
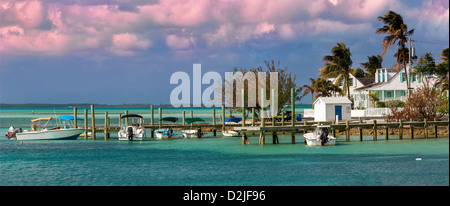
222,161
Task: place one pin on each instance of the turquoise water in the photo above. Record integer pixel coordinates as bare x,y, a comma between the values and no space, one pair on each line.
225,161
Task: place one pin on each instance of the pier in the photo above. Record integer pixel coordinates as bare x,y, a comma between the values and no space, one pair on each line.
273,128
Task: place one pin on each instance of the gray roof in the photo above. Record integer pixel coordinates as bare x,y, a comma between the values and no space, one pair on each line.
334,100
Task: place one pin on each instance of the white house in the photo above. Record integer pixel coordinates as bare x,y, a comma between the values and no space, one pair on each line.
354,83
327,108
389,85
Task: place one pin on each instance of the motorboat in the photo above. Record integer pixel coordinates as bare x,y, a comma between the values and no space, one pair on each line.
320,137
193,133
168,133
232,133
133,128
56,133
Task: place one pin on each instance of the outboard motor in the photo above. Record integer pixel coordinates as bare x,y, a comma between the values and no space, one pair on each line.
130,133
324,136
199,132
169,132
12,132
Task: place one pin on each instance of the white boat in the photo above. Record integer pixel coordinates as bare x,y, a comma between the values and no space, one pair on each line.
167,134
133,129
56,133
231,134
320,137
192,133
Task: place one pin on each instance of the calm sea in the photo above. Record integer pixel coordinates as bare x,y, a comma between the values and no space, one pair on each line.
215,160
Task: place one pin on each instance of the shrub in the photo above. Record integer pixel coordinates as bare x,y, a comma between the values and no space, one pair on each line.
394,103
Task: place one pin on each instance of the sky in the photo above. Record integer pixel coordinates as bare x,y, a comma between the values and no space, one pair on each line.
117,52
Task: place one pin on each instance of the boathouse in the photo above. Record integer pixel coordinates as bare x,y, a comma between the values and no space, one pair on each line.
332,108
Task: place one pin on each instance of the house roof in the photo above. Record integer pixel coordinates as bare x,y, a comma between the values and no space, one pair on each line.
379,83
334,100
366,81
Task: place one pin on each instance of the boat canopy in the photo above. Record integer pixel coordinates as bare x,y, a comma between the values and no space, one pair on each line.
131,115
69,118
236,119
192,120
170,119
41,119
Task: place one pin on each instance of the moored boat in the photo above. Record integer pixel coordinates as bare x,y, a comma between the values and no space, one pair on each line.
56,133
193,133
168,133
232,133
132,130
320,137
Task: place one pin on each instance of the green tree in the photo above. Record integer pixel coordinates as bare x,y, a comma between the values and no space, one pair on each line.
338,65
310,89
373,63
396,32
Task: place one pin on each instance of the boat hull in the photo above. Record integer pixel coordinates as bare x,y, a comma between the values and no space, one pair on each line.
60,134
231,134
191,134
312,140
162,134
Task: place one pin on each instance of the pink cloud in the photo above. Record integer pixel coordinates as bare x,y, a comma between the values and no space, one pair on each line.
179,42
124,44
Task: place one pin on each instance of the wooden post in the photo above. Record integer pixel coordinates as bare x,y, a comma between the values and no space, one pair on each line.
253,116
106,126
305,131
243,107
333,131
120,120
293,116
93,121
262,137
244,136
400,130
435,129
214,121
386,137
374,130
425,128
160,116
360,130
183,118
347,131
126,119
152,116
192,116
223,117
85,123
214,116
272,97
411,129
75,125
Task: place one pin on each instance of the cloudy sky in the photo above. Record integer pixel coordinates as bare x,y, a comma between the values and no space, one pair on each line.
114,52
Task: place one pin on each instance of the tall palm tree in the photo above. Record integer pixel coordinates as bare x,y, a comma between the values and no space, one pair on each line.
373,63
310,89
396,32
338,65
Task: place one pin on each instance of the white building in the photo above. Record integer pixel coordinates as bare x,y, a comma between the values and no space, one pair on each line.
389,85
327,108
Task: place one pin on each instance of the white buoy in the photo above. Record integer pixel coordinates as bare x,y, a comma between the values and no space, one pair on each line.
418,159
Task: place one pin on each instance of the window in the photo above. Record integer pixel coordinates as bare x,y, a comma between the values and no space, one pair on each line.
350,82
389,94
403,76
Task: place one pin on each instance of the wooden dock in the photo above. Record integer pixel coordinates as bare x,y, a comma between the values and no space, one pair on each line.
274,128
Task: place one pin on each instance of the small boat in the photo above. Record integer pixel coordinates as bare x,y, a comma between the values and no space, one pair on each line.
232,133
168,133
133,130
193,133
320,137
56,133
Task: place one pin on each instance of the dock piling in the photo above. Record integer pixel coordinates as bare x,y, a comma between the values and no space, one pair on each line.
93,121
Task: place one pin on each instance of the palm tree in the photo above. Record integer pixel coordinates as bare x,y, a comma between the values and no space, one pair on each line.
373,63
338,64
326,88
396,32
310,89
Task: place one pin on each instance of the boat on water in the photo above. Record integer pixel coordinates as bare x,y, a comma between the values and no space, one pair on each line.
232,133
133,128
168,133
63,132
193,133
320,137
